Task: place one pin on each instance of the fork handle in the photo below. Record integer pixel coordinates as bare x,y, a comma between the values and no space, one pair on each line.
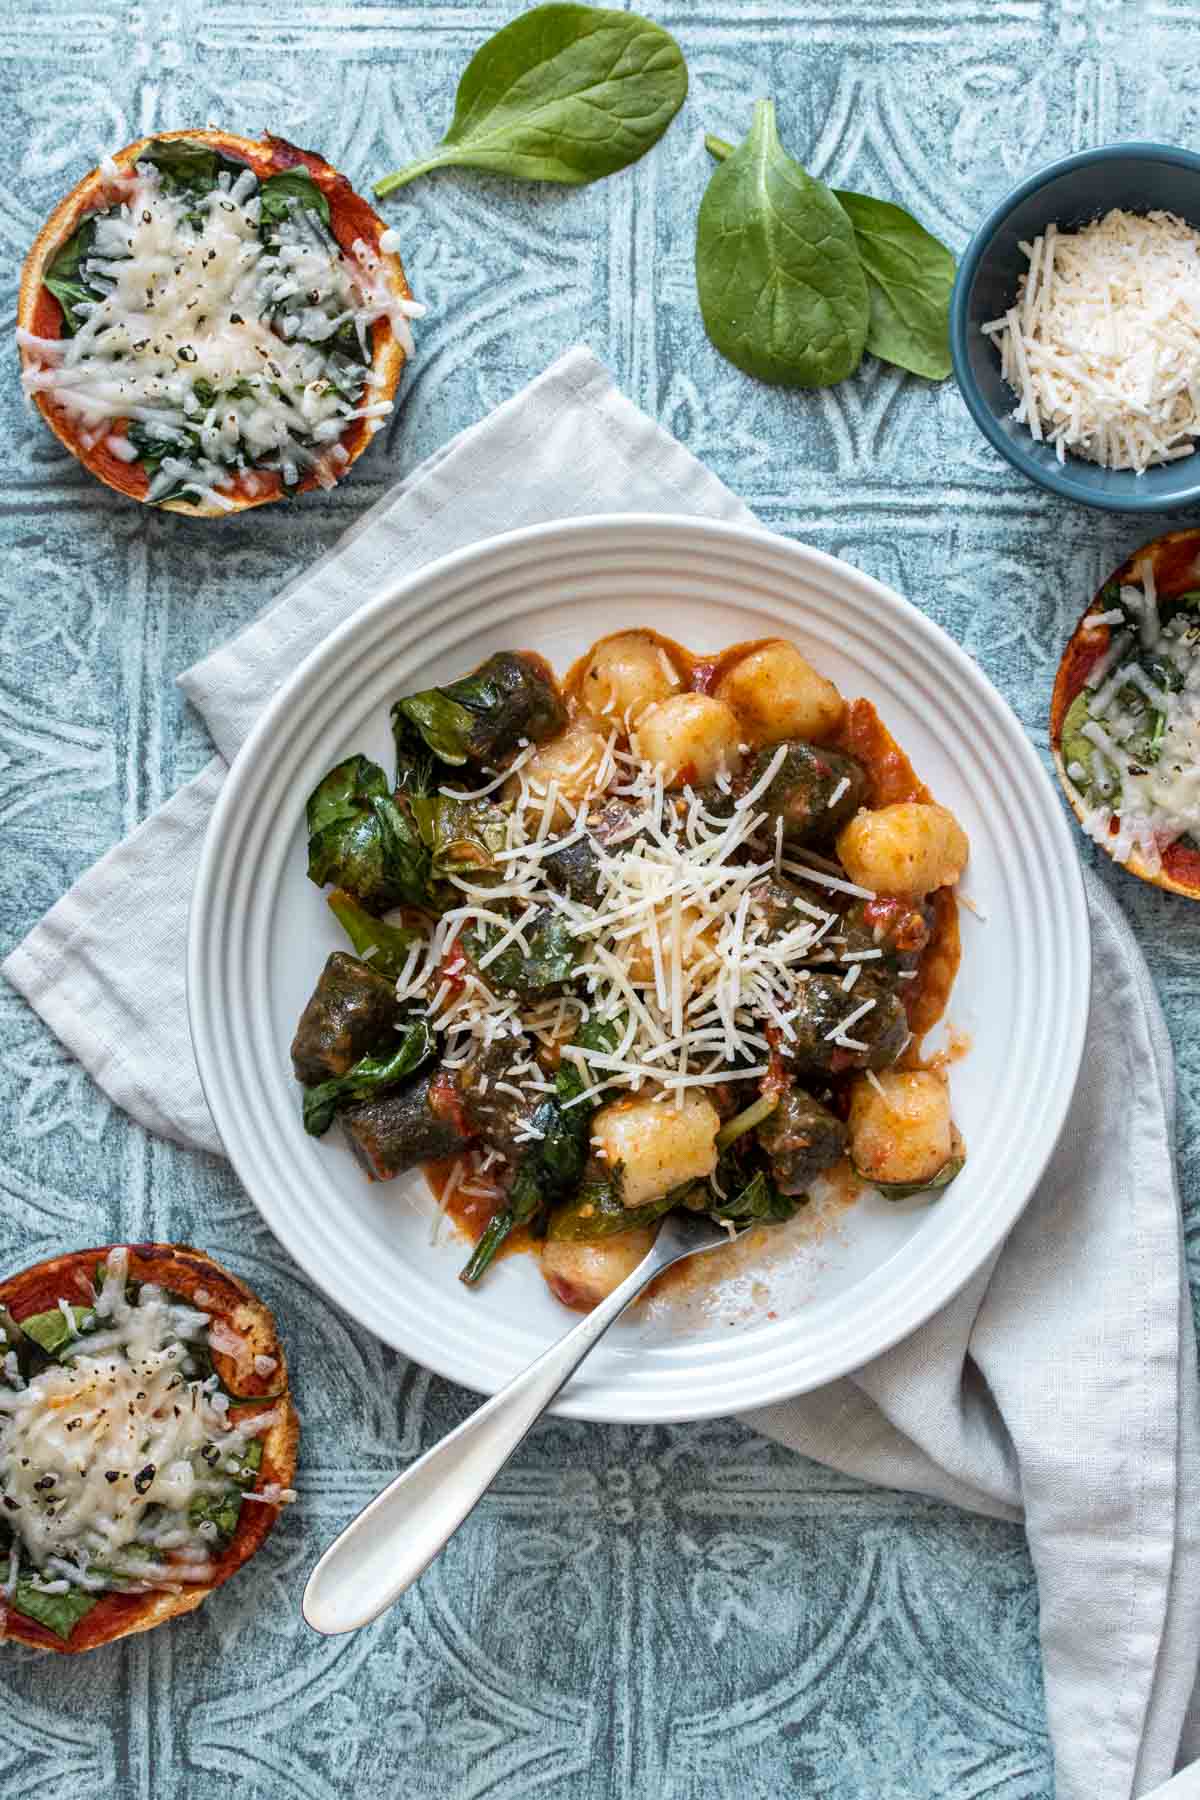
396,1537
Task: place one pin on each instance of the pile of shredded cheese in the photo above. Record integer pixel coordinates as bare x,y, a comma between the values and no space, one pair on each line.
676,944
1153,799
90,1448
1103,343
193,296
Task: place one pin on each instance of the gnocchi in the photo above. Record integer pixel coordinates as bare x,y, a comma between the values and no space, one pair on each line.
900,1129
647,936
658,1144
581,1275
777,695
692,738
625,674
905,850
571,762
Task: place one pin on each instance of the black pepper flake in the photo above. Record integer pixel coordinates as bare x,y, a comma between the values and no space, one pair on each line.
44,1484
111,1475
186,353
144,1478
211,1455
74,1424
10,1503
236,319
147,218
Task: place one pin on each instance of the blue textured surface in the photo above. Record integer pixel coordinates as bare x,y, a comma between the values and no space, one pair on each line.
677,1614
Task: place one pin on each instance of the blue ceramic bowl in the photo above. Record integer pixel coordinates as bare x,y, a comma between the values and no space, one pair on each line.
1067,193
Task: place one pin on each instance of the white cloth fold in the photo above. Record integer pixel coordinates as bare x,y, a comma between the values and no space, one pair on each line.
1060,1386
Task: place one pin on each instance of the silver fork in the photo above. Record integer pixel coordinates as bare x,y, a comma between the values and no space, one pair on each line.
396,1537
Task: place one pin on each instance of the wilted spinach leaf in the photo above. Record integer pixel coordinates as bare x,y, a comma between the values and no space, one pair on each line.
59,1613
66,280
189,168
385,947
545,969
597,1211
224,1509
463,837
781,286
554,1163
562,93
416,764
485,715
359,839
369,1076
905,1190
49,1331
280,194
152,448
758,1201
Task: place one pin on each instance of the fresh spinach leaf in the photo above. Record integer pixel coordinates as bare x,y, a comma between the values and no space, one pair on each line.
280,194
562,93
49,1330
484,715
909,276
224,1509
385,947
59,1613
359,840
781,287
369,1076
66,280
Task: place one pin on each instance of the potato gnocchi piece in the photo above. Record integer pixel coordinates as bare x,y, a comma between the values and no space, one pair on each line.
571,762
581,1275
906,850
658,1144
900,1129
625,674
692,738
777,695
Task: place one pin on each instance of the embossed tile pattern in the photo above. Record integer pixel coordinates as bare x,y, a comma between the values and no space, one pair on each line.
682,1613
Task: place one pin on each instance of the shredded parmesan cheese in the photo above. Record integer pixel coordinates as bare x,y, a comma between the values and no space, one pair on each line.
1103,346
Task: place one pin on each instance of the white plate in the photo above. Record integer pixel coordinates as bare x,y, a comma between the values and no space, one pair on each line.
842,1285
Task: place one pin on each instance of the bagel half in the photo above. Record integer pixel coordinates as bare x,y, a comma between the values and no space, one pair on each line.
1174,562
188,1273
39,312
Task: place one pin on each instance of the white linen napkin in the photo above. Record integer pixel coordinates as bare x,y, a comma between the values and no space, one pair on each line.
1060,1386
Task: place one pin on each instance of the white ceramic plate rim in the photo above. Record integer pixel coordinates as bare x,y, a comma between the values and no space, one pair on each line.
224,889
